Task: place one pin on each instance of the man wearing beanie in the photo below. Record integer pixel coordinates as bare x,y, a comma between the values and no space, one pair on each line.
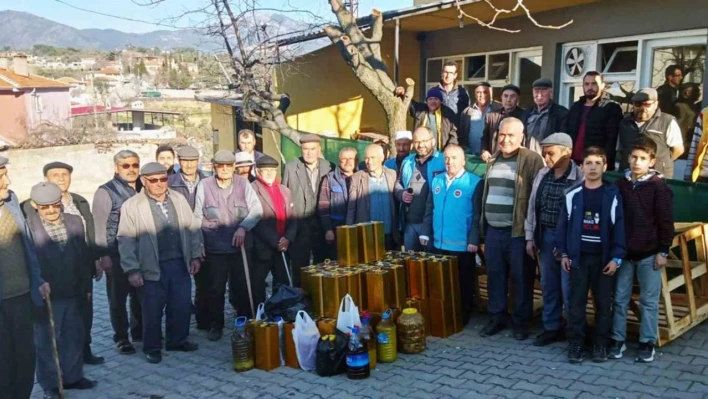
432,114
65,263
159,244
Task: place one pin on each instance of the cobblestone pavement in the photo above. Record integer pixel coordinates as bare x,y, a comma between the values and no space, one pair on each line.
463,365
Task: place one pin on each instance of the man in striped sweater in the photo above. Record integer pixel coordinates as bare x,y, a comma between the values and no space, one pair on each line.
507,188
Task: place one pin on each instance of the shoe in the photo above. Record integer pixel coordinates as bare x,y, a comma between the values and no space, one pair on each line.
202,328
215,334
124,347
154,357
646,352
521,333
575,352
491,329
617,350
82,384
549,337
52,394
90,359
184,347
599,353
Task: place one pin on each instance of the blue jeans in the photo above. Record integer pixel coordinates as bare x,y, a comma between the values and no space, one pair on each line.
649,291
411,237
555,283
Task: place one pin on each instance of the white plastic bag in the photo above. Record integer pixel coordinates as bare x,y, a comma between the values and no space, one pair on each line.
260,312
306,335
348,316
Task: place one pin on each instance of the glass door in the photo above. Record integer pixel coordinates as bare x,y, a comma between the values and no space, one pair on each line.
527,68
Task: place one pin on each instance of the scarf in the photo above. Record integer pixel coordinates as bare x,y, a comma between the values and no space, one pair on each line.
438,124
278,204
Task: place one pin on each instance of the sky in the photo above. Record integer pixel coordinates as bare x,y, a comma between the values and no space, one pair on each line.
63,12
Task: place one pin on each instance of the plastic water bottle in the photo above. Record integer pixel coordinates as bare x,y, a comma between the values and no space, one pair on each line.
357,357
367,339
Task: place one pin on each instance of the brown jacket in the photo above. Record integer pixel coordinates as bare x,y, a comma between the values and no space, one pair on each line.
419,112
265,232
491,127
358,209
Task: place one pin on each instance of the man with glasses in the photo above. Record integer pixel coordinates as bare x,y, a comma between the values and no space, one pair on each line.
227,208
160,245
455,96
668,92
413,189
648,120
106,215
334,197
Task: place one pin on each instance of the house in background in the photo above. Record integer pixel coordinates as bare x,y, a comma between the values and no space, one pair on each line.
29,101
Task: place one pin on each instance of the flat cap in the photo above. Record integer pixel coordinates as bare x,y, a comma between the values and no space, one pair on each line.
561,139
309,138
57,165
647,94
223,156
542,83
3,161
152,168
511,87
484,84
266,161
45,193
403,135
188,152
243,159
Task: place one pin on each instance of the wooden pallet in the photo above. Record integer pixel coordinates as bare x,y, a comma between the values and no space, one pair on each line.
484,297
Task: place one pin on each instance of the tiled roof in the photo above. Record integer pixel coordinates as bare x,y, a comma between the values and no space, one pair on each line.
10,80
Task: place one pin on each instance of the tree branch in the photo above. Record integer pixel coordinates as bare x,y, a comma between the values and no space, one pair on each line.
499,11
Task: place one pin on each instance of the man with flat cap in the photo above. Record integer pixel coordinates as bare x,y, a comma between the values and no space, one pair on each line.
187,179
545,203
545,117
648,120
60,173
244,163
159,244
303,177
277,228
66,264
510,107
402,141
227,209
21,287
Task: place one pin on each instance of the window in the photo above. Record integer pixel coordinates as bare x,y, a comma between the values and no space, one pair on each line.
499,66
476,67
434,70
619,57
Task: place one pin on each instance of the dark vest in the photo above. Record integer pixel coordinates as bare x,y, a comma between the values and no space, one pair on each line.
223,216
119,191
169,242
339,197
177,183
655,129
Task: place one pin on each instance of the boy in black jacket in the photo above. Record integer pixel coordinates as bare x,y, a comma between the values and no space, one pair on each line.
649,222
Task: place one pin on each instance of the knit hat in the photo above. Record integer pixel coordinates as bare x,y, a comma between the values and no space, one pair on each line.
435,93
45,193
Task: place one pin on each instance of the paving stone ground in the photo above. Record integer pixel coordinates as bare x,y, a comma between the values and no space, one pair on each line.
462,366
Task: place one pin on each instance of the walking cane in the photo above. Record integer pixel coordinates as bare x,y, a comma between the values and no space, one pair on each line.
55,351
248,280
287,269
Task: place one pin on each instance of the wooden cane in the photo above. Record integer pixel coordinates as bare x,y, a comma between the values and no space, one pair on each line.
248,279
55,351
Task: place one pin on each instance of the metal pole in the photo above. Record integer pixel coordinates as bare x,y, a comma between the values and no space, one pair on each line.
395,51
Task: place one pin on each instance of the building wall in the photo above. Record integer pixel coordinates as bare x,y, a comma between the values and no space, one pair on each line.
56,108
13,116
327,97
222,119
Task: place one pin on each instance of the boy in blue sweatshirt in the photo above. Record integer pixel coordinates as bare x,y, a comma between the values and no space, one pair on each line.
591,239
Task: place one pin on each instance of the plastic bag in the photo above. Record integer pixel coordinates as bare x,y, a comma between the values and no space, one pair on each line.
331,354
260,312
286,302
306,335
348,316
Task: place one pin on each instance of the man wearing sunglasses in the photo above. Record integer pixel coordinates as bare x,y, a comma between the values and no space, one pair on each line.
648,120
66,264
159,245
106,214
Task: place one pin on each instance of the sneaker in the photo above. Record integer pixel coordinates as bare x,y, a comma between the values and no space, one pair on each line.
599,353
548,337
646,352
617,350
575,352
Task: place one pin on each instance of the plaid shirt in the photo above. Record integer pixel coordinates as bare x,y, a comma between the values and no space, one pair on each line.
71,209
551,197
191,186
57,232
163,206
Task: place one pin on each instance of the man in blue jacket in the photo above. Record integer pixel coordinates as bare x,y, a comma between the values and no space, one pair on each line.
591,240
21,287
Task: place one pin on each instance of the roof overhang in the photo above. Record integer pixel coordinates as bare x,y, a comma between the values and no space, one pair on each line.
221,97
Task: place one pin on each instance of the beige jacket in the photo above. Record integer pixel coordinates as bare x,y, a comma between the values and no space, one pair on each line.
137,235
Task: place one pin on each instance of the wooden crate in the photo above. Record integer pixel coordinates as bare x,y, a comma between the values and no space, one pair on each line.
484,297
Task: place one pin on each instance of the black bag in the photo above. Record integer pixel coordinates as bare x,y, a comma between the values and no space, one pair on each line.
285,302
331,354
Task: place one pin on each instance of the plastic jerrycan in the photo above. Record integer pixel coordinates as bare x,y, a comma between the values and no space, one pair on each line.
242,347
386,339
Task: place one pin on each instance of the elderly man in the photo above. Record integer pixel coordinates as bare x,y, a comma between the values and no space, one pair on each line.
334,197
648,120
303,177
510,107
243,162
402,140
277,228
21,291
59,173
413,186
227,208
454,209
545,203
187,179
545,118
507,187
371,195
473,119
106,214
165,156
66,264
159,244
